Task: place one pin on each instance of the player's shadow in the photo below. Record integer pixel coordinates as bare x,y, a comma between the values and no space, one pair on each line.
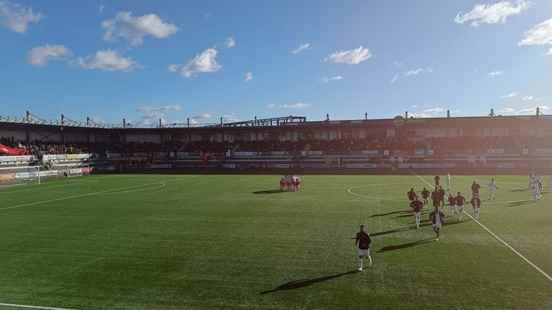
270,191
411,215
391,213
519,190
405,245
306,282
520,203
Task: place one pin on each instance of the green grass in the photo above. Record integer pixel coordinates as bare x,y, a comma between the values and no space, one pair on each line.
210,242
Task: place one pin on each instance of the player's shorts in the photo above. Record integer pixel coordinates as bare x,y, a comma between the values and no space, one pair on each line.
460,208
363,252
475,195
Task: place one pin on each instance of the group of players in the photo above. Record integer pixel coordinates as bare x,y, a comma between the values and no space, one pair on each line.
455,203
290,183
437,216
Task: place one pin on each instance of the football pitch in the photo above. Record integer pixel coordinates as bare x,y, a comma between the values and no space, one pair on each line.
236,242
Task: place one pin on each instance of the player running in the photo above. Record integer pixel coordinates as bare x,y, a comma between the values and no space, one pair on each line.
476,205
492,189
411,194
460,200
437,220
425,195
435,198
362,242
441,196
437,180
417,207
449,183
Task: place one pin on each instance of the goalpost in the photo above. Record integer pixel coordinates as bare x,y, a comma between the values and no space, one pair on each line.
20,175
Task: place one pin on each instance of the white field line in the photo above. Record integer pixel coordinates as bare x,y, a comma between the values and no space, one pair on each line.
33,307
116,190
537,268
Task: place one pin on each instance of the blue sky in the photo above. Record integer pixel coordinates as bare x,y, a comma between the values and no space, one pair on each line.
144,60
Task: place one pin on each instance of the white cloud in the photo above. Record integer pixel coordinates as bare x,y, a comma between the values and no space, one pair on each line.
549,53
351,57
101,8
295,105
152,114
510,95
16,17
524,110
527,98
411,73
300,48
332,78
134,29
230,118
230,42
201,118
248,76
204,62
540,34
495,73
429,112
40,55
492,13
107,60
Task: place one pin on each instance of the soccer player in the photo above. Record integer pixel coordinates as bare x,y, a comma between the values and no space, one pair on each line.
411,194
437,220
442,196
435,198
449,182
476,204
362,242
296,183
437,180
452,203
475,189
425,194
417,207
536,190
492,189
282,183
460,200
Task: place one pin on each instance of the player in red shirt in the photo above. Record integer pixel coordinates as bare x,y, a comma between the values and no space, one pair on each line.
282,184
475,189
435,198
417,207
425,195
476,204
452,203
363,241
460,200
441,192
411,194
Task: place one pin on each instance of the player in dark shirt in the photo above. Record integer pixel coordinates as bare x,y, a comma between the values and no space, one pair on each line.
460,200
411,194
437,180
451,204
435,198
425,195
417,207
363,241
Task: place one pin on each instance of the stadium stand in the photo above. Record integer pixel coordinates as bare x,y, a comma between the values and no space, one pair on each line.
456,144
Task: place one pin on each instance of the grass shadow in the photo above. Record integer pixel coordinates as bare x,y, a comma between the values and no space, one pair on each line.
520,203
405,245
391,213
306,282
271,191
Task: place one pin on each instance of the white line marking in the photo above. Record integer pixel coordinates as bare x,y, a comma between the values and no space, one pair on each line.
77,196
547,276
33,307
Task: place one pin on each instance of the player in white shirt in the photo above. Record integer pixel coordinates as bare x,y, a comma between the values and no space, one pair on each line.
492,189
449,183
536,189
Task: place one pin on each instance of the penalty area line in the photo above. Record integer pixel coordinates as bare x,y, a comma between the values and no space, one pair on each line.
109,191
32,307
525,259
